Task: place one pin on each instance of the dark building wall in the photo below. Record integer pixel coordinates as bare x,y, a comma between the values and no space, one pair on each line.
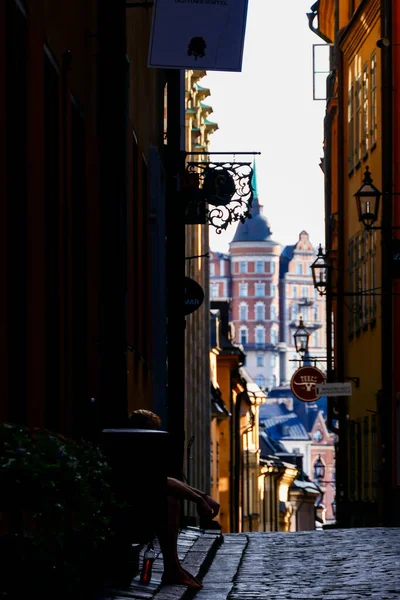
80,112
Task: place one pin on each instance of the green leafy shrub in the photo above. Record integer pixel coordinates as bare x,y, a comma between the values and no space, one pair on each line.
56,505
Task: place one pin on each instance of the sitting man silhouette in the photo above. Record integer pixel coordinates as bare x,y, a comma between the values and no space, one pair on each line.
167,532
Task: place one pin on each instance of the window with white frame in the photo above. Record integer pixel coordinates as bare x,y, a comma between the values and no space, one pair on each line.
260,311
357,143
243,312
273,312
260,290
243,289
315,339
212,269
294,310
374,111
214,291
274,336
273,381
273,290
304,291
243,266
260,360
372,277
259,266
365,111
260,335
222,267
350,123
260,381
273,360
299,269
244,335
272,267
294,291
316,313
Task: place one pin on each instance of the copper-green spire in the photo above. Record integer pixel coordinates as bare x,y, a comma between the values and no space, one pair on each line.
254,180
256,209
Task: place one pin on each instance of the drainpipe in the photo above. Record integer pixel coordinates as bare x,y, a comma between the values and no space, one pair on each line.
238,460
249,513
385,408
232,458
340,320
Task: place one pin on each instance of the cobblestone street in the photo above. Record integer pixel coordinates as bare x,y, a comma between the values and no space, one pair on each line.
347,564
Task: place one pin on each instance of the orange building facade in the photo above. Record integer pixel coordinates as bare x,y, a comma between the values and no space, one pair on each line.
361,134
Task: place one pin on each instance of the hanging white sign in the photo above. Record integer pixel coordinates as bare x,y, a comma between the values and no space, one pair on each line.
198,34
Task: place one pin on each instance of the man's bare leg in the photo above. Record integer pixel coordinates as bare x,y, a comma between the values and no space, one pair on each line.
174,573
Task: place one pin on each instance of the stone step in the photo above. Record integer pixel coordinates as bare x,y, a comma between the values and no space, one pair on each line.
196,551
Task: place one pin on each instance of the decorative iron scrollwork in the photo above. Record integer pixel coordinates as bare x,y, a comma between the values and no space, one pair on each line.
226,189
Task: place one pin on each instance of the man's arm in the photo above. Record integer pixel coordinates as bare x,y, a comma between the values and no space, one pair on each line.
206,506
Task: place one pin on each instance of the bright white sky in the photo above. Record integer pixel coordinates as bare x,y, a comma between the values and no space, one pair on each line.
268,107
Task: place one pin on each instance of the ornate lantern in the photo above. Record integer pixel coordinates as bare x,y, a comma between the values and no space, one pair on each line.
367,199
301,337
320,269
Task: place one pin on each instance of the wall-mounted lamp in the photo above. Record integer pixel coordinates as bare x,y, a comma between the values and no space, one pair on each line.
301,337
320,273
367,200
320,270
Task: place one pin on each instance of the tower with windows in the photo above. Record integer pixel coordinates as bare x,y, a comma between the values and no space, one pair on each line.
255,294
269,288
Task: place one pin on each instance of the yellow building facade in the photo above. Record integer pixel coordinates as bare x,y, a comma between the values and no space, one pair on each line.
358,138
197,340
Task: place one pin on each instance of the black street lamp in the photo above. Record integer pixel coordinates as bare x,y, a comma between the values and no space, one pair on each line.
301,337
367,199
320,270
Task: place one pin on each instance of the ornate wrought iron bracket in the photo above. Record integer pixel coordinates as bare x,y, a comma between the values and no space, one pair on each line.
219,193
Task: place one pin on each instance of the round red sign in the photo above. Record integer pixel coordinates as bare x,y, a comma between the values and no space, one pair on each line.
304,381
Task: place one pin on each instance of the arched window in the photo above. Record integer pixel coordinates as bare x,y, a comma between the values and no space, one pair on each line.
243,289
260,311
243,312
244,335
260,381
260,335
260,290
274,336
214,291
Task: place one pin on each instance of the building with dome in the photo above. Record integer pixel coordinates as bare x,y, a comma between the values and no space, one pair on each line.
269,287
